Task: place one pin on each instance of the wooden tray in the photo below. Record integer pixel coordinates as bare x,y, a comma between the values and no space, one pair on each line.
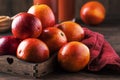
12,65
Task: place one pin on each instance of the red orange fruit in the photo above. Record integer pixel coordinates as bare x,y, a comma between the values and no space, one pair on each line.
26,25
92,13
72,30
33,50
74,56
44,13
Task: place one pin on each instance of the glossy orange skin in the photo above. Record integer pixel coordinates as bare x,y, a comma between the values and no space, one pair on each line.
25,25
54,38
44,13
33,50
53,4
8,45
92,13
74,56
72,30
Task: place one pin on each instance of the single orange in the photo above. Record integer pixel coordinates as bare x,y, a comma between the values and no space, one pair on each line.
25,25
33,50
54,38
44,13
72,30
74,56
92,13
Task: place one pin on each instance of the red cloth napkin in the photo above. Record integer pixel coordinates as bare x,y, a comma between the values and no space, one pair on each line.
101,52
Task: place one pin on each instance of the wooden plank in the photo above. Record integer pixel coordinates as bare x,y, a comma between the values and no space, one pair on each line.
11,65
46,67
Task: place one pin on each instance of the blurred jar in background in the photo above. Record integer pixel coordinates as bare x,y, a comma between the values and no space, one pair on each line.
53,4
66,10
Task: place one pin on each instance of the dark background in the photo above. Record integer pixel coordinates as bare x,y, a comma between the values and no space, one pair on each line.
12,7
112,7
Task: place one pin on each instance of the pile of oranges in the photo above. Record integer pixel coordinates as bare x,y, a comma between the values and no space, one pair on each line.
36,37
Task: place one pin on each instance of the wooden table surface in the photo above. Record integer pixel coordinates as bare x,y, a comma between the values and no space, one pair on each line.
111,31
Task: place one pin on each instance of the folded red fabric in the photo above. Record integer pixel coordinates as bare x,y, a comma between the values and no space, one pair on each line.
101,52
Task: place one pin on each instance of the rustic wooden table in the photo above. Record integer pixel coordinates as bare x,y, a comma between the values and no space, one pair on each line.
111,31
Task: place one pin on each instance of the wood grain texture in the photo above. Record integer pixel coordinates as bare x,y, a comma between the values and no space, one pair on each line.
12,65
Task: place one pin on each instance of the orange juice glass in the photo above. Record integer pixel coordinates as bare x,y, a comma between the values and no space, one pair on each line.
66,10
